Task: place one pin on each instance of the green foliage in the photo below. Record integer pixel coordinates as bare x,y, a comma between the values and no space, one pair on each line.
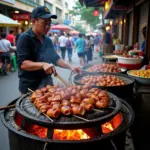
85,13
79,28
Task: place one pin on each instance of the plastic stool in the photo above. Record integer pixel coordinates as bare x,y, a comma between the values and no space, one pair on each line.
13,57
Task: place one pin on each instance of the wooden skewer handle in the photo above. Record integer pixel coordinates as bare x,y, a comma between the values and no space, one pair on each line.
30,90
62,80
7,107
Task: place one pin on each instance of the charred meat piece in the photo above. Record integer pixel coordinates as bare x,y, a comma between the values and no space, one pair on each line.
78,110
53,113
66,110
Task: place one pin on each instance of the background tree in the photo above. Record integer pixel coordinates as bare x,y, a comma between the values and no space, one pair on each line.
86,14
79,28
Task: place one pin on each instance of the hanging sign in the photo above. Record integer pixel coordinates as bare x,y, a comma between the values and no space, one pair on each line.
21,17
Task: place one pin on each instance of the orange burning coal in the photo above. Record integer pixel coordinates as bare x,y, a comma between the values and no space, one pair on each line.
59,134
112,124
70,135
107,128
76,134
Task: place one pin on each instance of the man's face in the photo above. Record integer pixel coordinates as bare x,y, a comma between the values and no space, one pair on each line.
42,25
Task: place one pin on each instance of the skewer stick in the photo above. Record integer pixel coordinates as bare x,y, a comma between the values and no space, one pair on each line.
30,90
62,80
98,110
112,107
10,106
7,107
48,117
81,118
42,113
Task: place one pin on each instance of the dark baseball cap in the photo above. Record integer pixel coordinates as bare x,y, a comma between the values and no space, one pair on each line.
42,12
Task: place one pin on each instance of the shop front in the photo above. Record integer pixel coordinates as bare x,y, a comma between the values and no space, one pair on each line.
130,28
116,12
130,17
143,20
22,17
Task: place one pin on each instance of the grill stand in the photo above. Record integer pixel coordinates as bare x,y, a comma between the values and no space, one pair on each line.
50,133
21,143
20,140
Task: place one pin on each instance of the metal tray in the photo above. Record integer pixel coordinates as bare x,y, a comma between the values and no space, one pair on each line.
121,91
110,57
140,80
123,70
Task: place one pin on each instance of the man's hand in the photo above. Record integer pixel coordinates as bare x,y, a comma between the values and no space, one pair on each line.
49,68
61,63
77,70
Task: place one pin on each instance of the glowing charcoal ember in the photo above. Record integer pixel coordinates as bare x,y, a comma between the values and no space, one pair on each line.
70,135
107,128
39,131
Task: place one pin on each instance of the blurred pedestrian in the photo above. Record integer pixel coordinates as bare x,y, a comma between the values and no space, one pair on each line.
62,43
88,50
96,43
5,47
116,40
107,46
92,42
11,37
69,46
53,39
18,34
143,47
80,46
50,35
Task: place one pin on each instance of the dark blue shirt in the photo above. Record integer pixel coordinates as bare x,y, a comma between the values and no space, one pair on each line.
108,38
29,47
143,47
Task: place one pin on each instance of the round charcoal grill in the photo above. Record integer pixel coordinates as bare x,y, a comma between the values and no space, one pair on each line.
121,91
85,69
20,139
27,109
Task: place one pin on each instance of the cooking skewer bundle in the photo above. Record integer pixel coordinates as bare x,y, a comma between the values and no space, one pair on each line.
72,100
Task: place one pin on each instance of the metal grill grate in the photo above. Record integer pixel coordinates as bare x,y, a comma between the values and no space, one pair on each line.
29,111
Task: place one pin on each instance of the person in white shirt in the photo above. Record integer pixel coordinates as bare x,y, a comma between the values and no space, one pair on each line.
5,47
92,42
62,43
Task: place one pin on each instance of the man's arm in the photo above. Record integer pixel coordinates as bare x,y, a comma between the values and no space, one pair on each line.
31,66
61,63
25,61
35,66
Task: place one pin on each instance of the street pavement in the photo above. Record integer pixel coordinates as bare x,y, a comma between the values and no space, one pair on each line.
9,92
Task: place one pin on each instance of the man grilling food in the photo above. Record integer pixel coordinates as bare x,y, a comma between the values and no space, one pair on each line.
36,55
